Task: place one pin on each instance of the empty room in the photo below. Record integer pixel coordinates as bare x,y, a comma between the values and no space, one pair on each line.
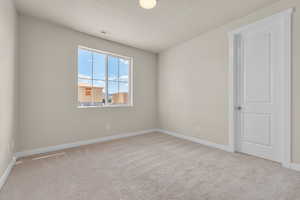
149,100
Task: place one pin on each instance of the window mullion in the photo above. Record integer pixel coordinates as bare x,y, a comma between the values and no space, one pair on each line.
93,95
118,76
106,79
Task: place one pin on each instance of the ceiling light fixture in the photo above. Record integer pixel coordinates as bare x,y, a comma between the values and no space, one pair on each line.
148,4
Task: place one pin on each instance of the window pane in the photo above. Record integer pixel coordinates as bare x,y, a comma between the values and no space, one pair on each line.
112,90
113,68
118,89
123,70
85,94
99,66
118,92
123,93
123,87
98,92
84,64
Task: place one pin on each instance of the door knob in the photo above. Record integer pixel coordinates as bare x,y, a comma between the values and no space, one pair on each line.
238,107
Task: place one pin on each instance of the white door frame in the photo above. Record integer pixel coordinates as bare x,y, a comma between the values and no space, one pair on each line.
286,15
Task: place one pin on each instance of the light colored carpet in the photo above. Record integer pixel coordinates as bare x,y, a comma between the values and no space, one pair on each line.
150,167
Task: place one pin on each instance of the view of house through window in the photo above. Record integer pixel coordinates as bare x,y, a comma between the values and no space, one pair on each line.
103,79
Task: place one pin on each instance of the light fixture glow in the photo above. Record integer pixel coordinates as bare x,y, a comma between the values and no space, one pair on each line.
148,4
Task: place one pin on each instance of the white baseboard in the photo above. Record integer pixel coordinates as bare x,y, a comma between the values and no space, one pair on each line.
4,177
197,140
295,166
227,148
80,143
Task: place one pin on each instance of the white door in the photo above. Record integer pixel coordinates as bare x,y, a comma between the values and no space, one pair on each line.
260,88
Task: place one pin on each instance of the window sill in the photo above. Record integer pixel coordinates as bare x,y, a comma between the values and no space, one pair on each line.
106,106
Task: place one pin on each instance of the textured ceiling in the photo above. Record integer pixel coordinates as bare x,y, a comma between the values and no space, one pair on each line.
170,23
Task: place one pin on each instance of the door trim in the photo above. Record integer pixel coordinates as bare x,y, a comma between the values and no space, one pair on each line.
286,15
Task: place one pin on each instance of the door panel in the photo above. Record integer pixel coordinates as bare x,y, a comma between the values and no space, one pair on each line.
257,67
259,90
257,128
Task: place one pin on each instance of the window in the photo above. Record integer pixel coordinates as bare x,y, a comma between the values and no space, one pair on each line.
104,79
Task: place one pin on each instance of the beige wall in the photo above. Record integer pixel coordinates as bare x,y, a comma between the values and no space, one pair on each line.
193,82
48,56
7,82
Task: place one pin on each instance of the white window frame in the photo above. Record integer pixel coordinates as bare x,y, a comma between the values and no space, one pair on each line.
130,78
